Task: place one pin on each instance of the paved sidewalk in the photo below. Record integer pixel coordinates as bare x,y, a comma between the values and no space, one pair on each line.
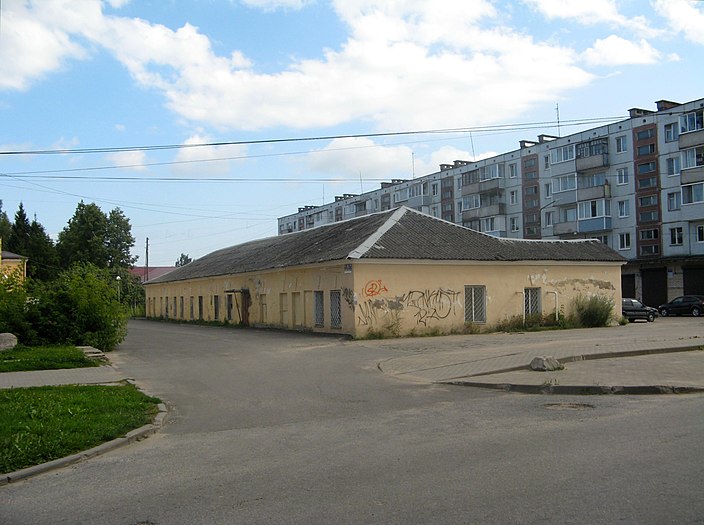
71,376
659,357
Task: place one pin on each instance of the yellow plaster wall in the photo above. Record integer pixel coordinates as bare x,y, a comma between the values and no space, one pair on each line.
416,298
279,298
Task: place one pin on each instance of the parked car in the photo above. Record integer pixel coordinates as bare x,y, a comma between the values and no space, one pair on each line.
685,304
633,309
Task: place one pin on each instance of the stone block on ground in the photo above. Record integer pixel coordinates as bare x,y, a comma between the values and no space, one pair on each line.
546,364
7,341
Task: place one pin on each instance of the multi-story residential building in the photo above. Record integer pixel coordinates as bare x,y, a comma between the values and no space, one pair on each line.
637,185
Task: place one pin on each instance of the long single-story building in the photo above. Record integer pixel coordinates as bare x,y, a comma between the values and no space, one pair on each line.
398,271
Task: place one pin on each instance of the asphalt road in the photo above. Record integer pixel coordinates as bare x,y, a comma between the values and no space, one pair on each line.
270,427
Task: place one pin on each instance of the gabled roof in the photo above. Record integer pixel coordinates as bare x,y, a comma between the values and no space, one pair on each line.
10,256
401,233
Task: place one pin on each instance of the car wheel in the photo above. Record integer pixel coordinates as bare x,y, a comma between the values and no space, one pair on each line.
664,312
651,317
696,311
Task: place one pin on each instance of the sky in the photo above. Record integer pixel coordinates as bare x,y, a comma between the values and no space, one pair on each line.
113,101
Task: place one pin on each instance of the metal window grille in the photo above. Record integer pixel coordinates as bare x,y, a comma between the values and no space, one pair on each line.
533,304
475,304
216,307
229,307
335,309
319,300
191,309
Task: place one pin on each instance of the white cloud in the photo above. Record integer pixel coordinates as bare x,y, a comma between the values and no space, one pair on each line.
133,160
272,5
683,16
341,158
206,160
615,51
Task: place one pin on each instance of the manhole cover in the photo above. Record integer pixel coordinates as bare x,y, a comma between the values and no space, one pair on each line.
568,406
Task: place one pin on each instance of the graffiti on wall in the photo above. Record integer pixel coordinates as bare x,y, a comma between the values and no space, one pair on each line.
374,288
422,304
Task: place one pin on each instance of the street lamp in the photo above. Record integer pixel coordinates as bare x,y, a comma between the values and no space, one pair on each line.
118,279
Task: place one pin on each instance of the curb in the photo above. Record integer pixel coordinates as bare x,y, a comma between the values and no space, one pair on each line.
577,390
134,435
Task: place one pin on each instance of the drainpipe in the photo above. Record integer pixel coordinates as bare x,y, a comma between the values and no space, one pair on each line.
557,304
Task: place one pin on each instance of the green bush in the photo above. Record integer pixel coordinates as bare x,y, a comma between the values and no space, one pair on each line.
80,307
594,311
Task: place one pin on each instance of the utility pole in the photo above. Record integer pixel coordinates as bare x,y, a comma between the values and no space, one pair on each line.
146,263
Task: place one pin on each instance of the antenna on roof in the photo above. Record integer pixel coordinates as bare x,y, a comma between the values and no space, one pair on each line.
557,110
361,188
413,164
471,141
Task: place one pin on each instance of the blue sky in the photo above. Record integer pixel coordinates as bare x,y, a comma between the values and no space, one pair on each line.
114,74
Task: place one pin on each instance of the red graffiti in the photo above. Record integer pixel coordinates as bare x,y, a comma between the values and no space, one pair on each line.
374,288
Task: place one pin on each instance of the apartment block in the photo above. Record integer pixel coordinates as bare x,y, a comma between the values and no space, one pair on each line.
636,185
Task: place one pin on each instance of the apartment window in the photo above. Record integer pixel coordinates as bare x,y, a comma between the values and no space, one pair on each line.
532,217
650,249
513,197
646,167
648,216
459,206
335,309
591,180
546,162
594,209
319,307
512,170
531,203
648,200
693,193
475,304
676,237
647,149
593,147
624,241
673,166
569,214
513,222
434,189
548,190
531,190
622,176
674,201
645,134
623,210
621,144
671,132
471,202
549,218
692,157
530,175
649,235
603,239
564,183
488,224
562,154
529,163
700,233
692,121
648,182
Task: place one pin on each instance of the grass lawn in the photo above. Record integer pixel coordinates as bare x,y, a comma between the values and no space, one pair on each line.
23,358
40,424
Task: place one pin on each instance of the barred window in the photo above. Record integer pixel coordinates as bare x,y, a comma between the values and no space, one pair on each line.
475,304
335,309
532,302
319,304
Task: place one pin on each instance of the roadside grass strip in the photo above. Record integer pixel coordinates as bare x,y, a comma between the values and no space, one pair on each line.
40,424
26,358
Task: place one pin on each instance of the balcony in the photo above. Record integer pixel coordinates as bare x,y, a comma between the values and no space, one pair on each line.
592,162
597,224
693,138
564,228
596,192
484,211
692,175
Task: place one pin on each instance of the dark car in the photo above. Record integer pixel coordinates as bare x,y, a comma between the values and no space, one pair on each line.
685,304
633,309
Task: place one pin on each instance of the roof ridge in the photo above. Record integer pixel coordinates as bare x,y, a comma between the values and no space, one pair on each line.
370,241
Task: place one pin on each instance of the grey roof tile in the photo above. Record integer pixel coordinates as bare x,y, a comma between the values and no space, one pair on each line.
401,233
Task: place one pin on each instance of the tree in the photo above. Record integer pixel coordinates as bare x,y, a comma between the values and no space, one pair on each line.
183,260
5,228
43,261
19,236
119,240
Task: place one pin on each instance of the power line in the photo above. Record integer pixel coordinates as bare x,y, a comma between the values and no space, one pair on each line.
478,129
